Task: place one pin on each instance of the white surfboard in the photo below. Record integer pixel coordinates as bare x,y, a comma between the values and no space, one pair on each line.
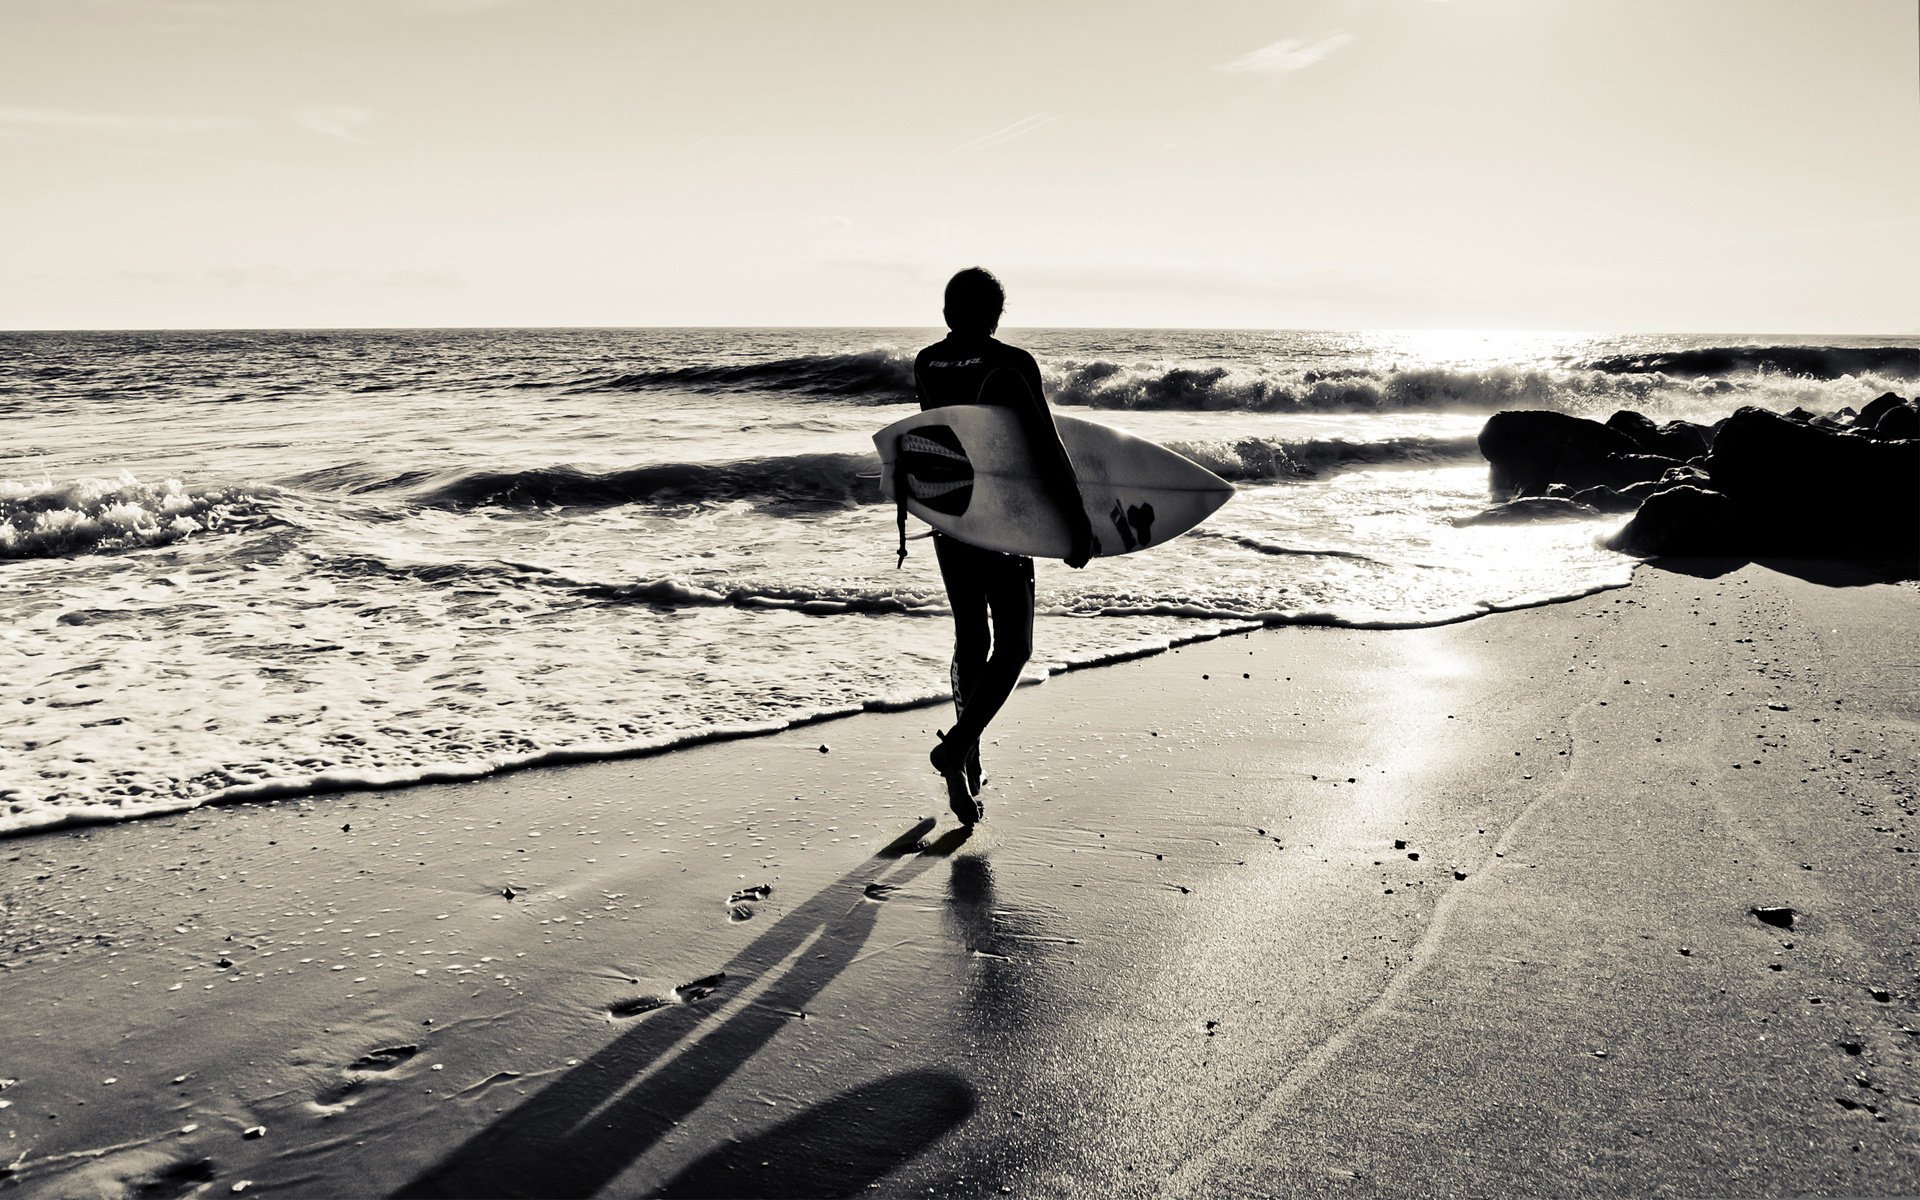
968,473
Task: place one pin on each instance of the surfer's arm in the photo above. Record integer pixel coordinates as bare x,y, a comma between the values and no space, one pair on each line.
1056,465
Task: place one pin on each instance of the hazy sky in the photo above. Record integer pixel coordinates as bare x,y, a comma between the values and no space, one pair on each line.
1709,165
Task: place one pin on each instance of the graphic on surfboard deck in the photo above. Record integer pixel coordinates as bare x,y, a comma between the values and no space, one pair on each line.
968,472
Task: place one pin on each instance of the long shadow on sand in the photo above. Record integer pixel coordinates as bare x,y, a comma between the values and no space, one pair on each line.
580,1132
837,1148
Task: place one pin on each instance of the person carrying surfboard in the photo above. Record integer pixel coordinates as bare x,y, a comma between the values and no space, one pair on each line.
991,594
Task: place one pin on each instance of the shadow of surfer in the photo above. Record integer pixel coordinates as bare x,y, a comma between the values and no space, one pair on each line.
581,1132
991,594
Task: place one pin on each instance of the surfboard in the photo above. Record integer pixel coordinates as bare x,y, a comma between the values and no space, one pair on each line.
968,473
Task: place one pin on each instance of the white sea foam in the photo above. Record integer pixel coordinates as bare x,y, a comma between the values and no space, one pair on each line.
94,515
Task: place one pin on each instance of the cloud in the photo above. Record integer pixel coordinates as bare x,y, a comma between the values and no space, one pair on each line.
52,118
1020,128
1287,55
333,120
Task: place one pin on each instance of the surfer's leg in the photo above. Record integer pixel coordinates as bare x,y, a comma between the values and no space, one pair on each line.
1008,585
961,569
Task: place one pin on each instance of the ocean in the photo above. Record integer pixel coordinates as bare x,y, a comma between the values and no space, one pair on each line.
249,564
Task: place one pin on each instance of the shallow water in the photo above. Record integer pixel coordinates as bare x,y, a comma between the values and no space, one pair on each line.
261,563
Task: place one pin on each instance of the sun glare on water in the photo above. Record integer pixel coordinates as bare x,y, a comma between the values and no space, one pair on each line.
1467,347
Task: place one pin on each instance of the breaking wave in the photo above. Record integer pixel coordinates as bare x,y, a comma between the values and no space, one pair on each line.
1257,459
104,516
804,480
1810,362
887,374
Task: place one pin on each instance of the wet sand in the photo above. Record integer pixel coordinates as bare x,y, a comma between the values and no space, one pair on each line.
1456,911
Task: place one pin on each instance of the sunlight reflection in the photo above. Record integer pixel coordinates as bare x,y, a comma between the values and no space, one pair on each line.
1478,346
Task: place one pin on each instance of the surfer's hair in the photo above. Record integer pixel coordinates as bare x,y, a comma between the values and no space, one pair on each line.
975,301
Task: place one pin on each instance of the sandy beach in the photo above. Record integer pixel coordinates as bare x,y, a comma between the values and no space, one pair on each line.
1485,909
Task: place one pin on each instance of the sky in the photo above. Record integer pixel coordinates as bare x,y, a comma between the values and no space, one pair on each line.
1619,165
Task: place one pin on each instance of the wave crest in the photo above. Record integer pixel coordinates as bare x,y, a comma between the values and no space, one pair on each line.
1810,362
884,373
102,516
799,478
803,481
1258,459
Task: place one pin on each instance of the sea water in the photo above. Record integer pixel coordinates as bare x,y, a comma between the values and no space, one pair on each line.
241,564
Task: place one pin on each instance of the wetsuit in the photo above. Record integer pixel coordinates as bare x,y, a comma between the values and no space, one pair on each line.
991,593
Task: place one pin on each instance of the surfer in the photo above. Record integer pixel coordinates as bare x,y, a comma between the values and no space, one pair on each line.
991,594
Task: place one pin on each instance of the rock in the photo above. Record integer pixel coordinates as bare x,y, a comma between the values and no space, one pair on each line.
1634,494
1681,520
1639,468
1530,508
1690,473
1528,449
1634,425
1675,439
1879,407
1683,440
1605,499
1802,490
1900,422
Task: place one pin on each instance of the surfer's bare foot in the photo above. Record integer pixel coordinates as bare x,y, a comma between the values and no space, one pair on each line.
952,763
975,777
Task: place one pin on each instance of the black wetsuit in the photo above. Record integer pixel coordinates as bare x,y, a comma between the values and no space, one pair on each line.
991,593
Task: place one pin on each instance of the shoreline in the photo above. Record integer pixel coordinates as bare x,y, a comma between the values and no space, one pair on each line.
1164,965
335,783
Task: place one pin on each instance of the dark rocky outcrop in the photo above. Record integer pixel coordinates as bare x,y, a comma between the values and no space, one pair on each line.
1527,450
1675,439
1804,489
1843,484
1605,499
1879,407
1682,520
1640,468
1531,508
1897,423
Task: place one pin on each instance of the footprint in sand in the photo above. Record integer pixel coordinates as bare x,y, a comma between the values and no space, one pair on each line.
374,1062
636,1006
740,904
700,988
384,1059
880,893
686,993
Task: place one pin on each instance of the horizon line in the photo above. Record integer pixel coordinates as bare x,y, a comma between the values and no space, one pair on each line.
1464,329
